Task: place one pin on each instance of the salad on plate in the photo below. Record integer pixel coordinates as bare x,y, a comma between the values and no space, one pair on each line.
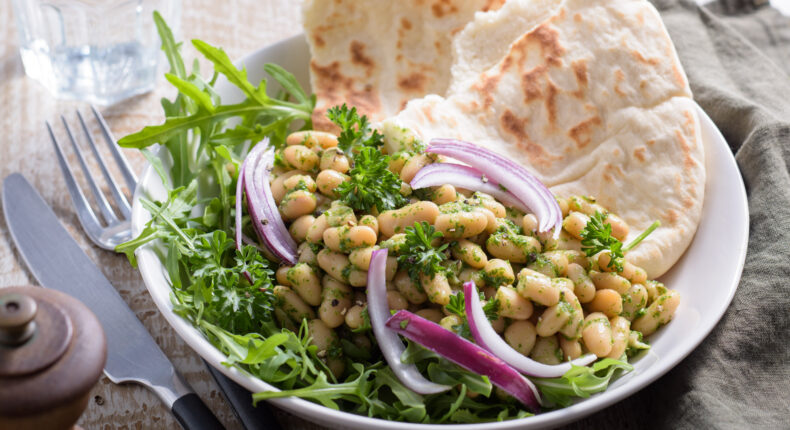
373,271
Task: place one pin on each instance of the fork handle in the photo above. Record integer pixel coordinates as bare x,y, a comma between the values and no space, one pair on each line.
193,414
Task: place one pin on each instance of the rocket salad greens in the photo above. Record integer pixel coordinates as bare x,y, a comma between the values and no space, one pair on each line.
226,292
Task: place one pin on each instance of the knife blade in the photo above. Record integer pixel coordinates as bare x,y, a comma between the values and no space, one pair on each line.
58,262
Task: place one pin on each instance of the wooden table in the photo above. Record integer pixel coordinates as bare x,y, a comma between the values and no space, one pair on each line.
239,26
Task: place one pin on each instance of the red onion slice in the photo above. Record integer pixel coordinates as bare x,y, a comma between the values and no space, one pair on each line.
465,354
390,344
486,337
261,205
466,177
522,184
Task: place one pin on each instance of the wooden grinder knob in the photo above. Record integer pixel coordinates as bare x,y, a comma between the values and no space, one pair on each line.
52,352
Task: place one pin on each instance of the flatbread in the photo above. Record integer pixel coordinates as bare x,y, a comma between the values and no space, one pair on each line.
593,100
379,54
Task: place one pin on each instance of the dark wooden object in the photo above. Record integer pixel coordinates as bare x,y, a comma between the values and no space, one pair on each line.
52,352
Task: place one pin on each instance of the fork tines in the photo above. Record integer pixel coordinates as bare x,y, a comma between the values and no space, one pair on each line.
114,219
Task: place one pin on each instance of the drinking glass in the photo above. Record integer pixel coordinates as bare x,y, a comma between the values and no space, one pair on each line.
100,51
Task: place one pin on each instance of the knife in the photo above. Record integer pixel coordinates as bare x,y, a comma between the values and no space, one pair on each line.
252,417
57,262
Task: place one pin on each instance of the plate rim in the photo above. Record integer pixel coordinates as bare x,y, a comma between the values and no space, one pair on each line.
319,414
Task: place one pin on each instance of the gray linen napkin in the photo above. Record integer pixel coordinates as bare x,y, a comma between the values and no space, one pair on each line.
737,57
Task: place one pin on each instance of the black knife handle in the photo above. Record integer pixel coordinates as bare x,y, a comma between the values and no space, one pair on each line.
193,414
252,417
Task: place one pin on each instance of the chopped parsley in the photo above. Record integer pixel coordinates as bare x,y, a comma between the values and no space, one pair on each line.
372,184
356,132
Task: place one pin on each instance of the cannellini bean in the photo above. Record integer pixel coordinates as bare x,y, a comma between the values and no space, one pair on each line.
583,285
634,274
370,221
496,208
576,256
334,159
354,318
607,302
654,290
292,304
339,215
553,318
450,321
322,336
521,335
574,223
300,157
297,203
278,184
281,275
409,289
357,278
567,242
470,253
306,254
659,312
498,272
396,301
469,274
537,287
443,194
299,227
436,288
529,223
564,206
312,139
413,166
395,221
306,283
571,348
560,261
335,264
360,257
512,305
634,300
498,324
597,334
610,281
315,234
431,314
299,182
546,350
391,268
459,225
328,180
620,331
512,247
335,302
619,226
345,238
492,222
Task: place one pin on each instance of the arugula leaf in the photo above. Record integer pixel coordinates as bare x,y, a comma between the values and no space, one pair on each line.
419,255
372,184
355,130
580,381
597,237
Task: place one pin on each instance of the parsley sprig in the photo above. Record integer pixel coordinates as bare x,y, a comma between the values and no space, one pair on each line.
419,255
457,306
372,185
356,132
597,237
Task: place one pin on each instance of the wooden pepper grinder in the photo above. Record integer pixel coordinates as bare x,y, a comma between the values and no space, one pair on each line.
52,352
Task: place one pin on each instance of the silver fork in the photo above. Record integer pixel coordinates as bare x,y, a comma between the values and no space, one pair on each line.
116,228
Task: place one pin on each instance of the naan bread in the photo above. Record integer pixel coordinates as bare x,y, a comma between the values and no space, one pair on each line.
591,97
379,54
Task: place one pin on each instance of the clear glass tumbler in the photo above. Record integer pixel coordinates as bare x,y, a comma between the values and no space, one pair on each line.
100,51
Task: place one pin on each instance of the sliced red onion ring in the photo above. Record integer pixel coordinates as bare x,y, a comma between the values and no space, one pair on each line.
486,337
390,344
467,355
466,177
522,184
261,205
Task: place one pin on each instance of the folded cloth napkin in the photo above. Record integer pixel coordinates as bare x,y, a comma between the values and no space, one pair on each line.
737,57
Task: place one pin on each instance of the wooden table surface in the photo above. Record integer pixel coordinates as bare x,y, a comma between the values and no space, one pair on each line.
239,26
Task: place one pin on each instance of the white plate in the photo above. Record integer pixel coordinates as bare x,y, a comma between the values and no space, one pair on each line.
706,276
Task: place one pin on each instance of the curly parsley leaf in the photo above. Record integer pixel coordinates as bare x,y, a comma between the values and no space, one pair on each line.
371,184
420,256
597,237
356,132
457,306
